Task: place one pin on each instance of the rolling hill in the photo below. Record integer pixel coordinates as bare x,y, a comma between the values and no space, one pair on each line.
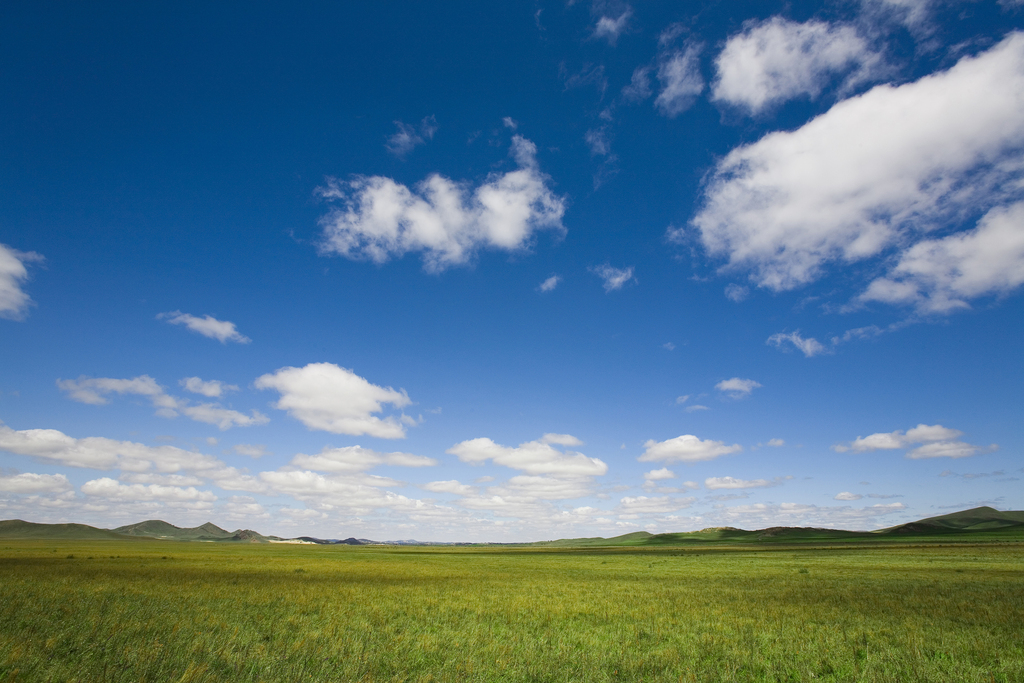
976,524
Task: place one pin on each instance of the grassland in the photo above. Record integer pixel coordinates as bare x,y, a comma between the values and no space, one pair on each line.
148,610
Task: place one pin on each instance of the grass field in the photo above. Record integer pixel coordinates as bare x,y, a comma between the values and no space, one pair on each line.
174,611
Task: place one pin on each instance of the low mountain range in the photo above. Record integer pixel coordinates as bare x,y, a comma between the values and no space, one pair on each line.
977,524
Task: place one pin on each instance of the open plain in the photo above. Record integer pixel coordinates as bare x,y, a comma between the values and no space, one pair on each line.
149,610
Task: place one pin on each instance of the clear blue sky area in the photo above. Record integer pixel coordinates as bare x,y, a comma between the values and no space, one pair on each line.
471,271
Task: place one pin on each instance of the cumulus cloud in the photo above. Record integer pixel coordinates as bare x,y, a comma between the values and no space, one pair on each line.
940,275
736,387
533,457
777,60
686,448
212,388
208,326
876,172
610,28
100,453
406,138
550,284
776,442
932,441
846,495
34,483
614,278
810,347
14,302
333,399
356,459
448,221
714,483
111,489
659,475
681,81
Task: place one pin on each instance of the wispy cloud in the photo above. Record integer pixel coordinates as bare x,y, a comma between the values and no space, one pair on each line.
614,278
14,302
208,326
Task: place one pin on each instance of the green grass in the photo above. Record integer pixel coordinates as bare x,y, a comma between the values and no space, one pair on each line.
173,611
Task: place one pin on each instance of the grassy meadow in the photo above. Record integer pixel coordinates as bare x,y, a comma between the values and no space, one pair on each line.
173,611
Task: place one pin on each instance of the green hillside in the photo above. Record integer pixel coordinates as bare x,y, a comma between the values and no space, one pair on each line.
19,529
156,528
977,524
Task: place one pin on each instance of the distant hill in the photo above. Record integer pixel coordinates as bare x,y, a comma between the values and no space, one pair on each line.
982,523
977,524
19,529
975,519
157,528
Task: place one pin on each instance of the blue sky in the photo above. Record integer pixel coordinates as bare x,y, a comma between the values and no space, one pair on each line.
457,271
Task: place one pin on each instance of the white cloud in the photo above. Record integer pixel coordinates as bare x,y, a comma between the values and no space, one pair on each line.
874,172
668,346
449,486
447,221
695,407
611,29
736,293
530,488
333,399
94,390
208,326
686,448
509,123
356,459
681,82
736,387
777,60
597,141
940,275
550,284
104,454
532,457
14,302
34,483
561,439
846,495
224,418
212,388
642,505
252,450
639,87
715,483
776,442
112,489
682,399
406,138
933,441
809,347
659,475
614,278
